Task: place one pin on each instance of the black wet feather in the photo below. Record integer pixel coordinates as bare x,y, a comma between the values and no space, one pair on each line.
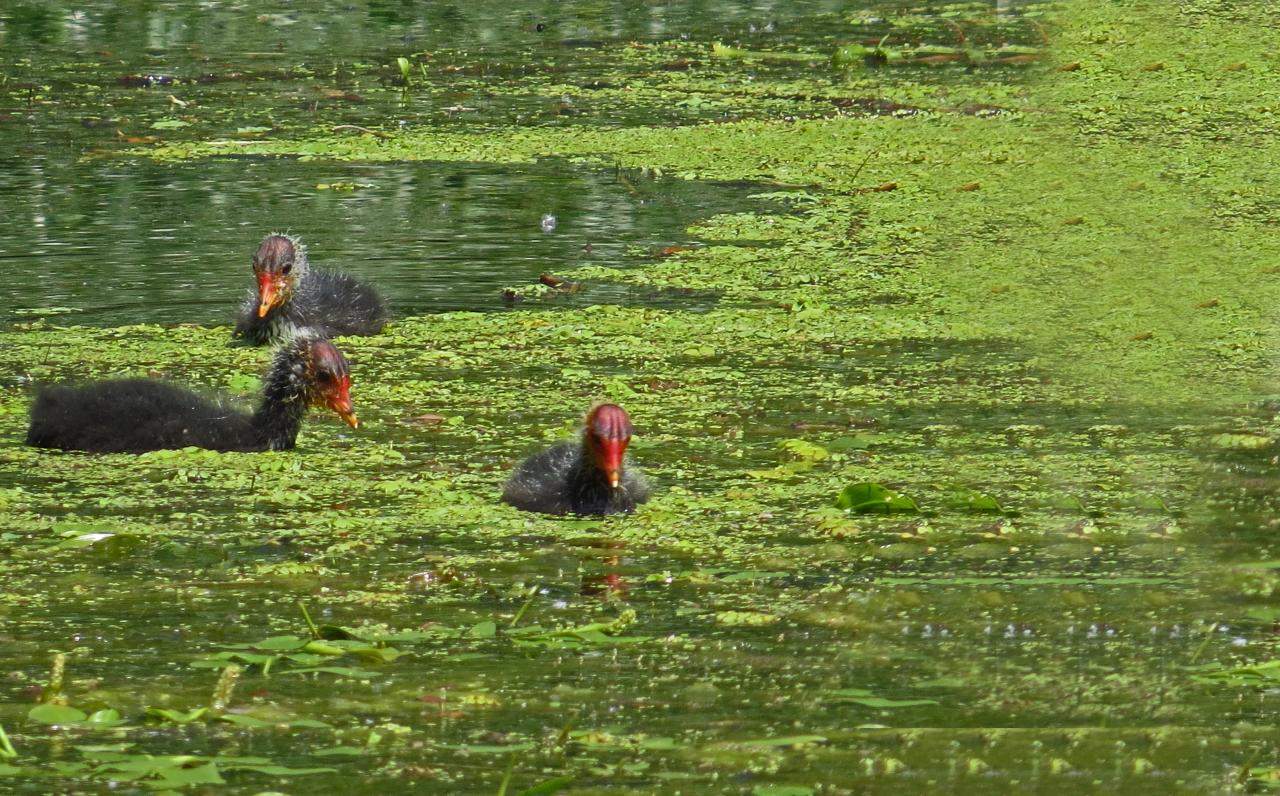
321,304
137,415
565,480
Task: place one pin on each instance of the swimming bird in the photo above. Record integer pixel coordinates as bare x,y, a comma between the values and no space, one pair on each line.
136,415
585,477
294,298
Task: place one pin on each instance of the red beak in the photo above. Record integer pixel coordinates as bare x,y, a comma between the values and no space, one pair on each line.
339,400
269,291
611,451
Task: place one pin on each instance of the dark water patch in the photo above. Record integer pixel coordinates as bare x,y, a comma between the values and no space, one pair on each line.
125,242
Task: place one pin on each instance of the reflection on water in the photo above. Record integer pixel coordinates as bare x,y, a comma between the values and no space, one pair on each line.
126,241
129,242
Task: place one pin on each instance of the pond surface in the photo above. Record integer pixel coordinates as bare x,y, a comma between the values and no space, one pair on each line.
1081,598
119,243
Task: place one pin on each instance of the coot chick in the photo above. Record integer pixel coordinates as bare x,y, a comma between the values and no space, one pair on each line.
293,298
587,477
136,415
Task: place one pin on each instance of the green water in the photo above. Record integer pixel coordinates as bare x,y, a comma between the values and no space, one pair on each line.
1034,301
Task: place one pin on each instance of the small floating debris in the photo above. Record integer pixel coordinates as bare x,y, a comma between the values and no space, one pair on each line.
146,81
559,284
29,312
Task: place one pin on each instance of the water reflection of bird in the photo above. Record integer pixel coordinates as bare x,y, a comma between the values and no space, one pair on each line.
294,298
136,415
587,477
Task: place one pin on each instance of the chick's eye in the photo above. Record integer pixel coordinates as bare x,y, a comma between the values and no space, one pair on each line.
286,268
324,377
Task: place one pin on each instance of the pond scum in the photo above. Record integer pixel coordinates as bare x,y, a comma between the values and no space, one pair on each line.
966,483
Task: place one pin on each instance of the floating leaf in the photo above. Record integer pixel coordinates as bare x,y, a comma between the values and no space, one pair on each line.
867,497
56,714
105,718
1241,441
285,771
974,501
803,449
176,716
241,720
340,751
278,643
341,671
745,618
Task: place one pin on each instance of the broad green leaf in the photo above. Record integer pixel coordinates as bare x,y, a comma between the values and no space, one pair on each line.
881,702
341,671
867,497
176,716
56,714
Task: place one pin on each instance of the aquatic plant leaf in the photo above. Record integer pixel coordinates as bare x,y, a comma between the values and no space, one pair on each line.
867,498
340,751
181,776
804,449
341,671
851,692
323,648
660,742
276,643
107,717
745,618
242,383
1241,441
108,545
334,633
855,443
176,716
377,654
285,771
90,749
56,714
484,629
975,502
781,790
242,720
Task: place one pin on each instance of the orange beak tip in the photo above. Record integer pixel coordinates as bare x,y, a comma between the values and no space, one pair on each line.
614,480
351,419
263,309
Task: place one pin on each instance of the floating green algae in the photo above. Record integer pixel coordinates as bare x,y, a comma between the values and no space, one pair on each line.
1035,320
